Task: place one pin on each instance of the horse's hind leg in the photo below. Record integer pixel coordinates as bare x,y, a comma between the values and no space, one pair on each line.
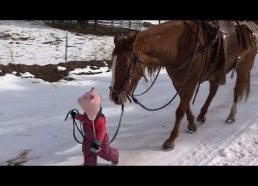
231,116
243,70
242,86
213,90
233,110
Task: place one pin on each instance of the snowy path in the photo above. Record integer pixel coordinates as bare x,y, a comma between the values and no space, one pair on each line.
32,114
215,143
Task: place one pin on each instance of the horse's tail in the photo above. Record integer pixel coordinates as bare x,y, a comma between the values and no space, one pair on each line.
245,65
242,88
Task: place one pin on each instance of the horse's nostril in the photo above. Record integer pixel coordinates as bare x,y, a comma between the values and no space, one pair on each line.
115,97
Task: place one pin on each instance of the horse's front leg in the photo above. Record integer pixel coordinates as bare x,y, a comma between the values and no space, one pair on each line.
169,144
191,124
185,97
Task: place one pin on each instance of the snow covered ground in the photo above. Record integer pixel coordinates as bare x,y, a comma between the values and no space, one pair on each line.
32,113
33,42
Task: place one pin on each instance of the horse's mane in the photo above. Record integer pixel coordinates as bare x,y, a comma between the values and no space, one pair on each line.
148,38
151,70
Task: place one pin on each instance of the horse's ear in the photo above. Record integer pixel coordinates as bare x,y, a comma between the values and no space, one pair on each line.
130,40
116,40
132,37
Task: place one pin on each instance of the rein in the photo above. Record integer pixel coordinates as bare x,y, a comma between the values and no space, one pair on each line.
76,125
205,49
187,74
238,48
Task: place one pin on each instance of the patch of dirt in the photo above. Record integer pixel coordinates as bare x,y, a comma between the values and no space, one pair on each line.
56,42
68,79
4,36
22,38
50,73
20,159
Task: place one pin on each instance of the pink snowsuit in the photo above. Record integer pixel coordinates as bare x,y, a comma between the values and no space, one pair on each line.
106,151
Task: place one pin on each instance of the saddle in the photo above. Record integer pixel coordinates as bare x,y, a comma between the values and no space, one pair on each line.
218,57
227,27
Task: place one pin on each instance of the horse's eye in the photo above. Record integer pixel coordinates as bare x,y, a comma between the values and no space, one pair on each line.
125,65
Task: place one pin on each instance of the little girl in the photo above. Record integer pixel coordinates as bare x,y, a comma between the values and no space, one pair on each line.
96,140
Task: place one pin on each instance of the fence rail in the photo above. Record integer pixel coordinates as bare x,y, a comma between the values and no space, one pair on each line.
103,26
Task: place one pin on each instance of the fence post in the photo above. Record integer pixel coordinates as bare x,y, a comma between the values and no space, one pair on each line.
86,26
112,25
95,24
66,45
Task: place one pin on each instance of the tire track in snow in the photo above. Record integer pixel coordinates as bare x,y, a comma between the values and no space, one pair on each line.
242,150
213,146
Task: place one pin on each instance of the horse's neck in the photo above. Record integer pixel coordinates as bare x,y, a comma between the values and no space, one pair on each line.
163,47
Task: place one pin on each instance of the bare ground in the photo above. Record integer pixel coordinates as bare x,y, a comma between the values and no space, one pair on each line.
50,72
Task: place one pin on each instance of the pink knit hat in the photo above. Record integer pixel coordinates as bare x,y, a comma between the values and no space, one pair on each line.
90,103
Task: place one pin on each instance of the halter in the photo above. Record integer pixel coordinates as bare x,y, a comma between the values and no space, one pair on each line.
122,91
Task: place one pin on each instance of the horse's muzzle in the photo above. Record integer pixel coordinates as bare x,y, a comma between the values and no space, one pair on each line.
117,97
114,96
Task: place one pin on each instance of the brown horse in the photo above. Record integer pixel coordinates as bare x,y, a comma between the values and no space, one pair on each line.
191,52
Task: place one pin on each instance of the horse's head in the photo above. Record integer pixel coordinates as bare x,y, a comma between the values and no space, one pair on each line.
126,69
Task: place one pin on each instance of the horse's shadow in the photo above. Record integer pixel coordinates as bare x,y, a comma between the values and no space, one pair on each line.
152,148
157,148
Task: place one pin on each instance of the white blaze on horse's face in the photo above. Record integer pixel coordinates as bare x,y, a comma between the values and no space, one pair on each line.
113,70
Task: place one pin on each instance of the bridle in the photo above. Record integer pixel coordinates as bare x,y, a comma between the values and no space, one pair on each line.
134,62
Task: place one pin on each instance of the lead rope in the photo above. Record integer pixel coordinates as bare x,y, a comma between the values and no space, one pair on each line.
75,125
238,49
206,50
150,85
94,132
119,124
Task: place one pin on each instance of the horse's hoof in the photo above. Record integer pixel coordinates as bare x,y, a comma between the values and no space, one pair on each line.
199,123
201,120
168,149
230,120
167,146
190,131
192,127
